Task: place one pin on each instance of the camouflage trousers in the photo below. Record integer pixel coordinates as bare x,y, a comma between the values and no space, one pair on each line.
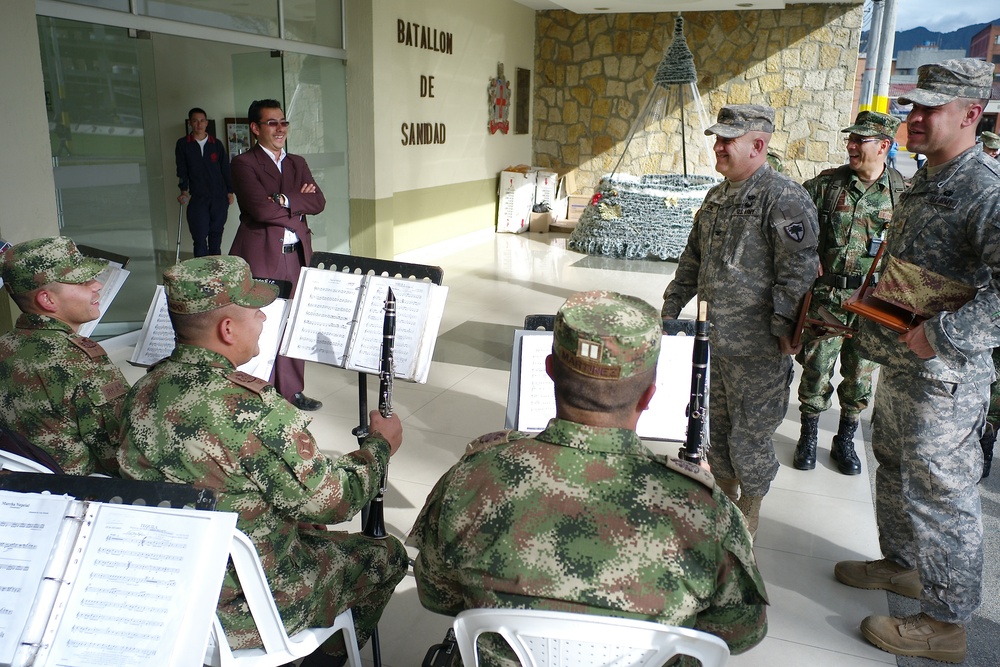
818,358
354,572
925,435
748,398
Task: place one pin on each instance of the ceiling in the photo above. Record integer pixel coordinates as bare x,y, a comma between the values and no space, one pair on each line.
628,6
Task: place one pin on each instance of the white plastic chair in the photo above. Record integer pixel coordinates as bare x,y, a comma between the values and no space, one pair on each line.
560,639
17,463
279,648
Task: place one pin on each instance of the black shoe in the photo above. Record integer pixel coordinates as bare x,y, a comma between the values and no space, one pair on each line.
805,450
986,442
842,451
303,402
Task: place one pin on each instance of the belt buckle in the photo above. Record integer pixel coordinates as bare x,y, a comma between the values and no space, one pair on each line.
842,282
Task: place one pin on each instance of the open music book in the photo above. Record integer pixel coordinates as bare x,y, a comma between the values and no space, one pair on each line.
156,340
87,584
336,319
111,278
531,400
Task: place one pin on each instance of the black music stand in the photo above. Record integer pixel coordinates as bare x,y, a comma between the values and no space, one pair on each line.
111,490
380,267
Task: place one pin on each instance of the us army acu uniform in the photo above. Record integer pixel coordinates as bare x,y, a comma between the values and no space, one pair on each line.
586,519
853,218
929,414
752,256
195,419
60,389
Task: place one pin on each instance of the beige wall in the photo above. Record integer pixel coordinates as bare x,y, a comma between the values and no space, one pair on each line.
596,73
429,192
26,186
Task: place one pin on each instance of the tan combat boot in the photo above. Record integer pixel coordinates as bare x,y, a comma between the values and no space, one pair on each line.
918,636
882,574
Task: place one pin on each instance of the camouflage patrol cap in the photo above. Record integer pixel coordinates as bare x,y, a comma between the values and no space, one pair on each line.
940,83
607,335
871,123
990,140
55,259
206,283
735,120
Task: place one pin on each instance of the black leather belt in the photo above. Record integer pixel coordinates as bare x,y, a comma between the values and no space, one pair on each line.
843,282
290,247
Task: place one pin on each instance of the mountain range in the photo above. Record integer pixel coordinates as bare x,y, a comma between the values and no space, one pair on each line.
908,39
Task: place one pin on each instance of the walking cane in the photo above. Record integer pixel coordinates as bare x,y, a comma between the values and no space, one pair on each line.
180,222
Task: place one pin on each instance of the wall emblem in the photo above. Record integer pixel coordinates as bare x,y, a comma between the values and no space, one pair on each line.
498,94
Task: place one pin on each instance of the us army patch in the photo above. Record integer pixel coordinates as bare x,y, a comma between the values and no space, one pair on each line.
942,200
796,231
247,381
691,470
91,348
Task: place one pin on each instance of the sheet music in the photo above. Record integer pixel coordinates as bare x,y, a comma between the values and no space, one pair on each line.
148,577
666,417
411,309
336,318
29,527
270,337
320,326
156,340
111,278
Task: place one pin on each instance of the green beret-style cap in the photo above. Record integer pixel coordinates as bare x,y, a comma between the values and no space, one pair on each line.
206,283
871,123
607,335
56,259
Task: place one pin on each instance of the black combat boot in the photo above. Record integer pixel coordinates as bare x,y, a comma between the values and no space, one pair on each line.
986,442
805,450
842,451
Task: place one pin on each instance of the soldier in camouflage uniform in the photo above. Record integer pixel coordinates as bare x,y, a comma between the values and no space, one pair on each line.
855,204
751,256
60,390
930,404
582,517
195,419
991,143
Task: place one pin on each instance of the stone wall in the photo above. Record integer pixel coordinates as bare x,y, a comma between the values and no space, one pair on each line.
594,72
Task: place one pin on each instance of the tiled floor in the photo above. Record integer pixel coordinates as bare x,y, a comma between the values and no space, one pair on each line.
809,520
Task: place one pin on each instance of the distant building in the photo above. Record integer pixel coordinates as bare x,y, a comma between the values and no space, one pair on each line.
985,45
907,62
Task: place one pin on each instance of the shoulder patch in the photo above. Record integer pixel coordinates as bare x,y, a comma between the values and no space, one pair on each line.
247,381
91,348
493,439
691,470
114,389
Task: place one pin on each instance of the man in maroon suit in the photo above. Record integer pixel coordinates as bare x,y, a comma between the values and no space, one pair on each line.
275,192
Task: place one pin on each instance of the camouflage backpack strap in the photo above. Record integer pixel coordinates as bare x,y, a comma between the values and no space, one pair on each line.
694,471
247,381
897,185
89,347
841,177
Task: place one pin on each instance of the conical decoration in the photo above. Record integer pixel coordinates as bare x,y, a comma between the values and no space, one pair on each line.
645,208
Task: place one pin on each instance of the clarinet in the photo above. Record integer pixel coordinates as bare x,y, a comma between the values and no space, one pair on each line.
375,520
697,409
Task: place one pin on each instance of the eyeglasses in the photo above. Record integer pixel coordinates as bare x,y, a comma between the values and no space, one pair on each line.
274,123
852,140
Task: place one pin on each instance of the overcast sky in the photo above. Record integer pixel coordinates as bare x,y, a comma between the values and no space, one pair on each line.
943,16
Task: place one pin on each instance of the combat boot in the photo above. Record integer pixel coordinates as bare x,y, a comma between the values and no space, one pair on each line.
986,442
842,451
805,450
917,636
750,506
730,487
